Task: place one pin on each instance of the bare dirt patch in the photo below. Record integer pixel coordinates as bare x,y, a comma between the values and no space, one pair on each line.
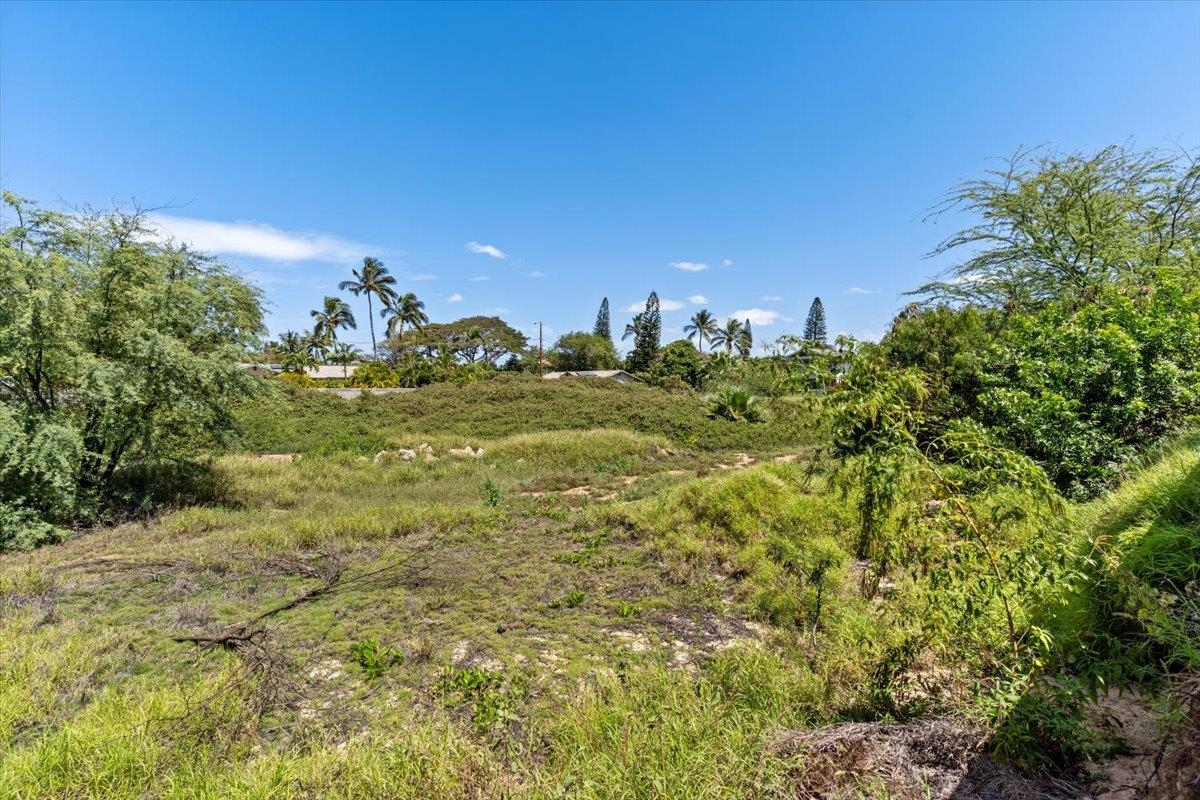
935,759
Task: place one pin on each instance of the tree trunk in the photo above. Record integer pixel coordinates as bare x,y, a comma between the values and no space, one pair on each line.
371,319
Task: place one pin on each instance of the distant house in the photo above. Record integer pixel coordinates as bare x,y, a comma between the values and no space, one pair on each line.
321,373
327,371
615,374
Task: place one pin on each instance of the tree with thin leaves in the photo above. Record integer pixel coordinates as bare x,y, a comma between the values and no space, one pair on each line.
404,311
603,328
702,327
729,335
333,314
814,326
372,279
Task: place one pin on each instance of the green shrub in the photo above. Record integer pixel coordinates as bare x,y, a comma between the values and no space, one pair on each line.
1044,732
374,375
735,405
24,529
374,657
296,379
491,493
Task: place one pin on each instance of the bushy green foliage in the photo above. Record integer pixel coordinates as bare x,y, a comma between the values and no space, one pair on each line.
681,360
1043,731
374,657
735,405
774,533
113,350
469,340
296,379
1063,227
374,375
583,351
1080,390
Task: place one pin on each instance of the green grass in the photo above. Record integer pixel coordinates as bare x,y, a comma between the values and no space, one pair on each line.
598,607
567,613
294,420
1133,613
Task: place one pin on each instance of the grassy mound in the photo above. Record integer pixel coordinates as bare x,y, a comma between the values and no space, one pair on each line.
1137,611
295,420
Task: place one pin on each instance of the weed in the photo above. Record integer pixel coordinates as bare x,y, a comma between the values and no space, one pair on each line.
492,700
625,609
491,493
374,657
572,599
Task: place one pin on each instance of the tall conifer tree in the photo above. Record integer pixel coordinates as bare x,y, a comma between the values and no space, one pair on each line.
602,323
648,335
814,326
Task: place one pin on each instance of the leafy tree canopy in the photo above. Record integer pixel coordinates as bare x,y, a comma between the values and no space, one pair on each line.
1062,227
115,350
471,340
580,351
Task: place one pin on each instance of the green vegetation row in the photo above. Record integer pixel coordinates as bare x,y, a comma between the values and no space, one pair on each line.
295,420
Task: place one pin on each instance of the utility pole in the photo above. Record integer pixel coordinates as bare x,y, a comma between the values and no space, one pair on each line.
541,365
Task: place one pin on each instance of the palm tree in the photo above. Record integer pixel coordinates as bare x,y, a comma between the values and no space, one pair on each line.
316,345
373,279
334,314
295,355
401,311
702,326
344,355
729,336
745,341
632,328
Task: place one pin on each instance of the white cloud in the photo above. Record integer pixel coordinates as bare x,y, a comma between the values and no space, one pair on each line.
422,276
536,274
760,316
454,298
771,298
861,290
726,263
697,299
478,278
486,250
257,240
639,306
689,266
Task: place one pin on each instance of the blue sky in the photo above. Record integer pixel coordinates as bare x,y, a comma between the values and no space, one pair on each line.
536,158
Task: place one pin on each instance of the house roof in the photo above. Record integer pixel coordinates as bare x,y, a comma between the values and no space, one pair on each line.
330,371
590,373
